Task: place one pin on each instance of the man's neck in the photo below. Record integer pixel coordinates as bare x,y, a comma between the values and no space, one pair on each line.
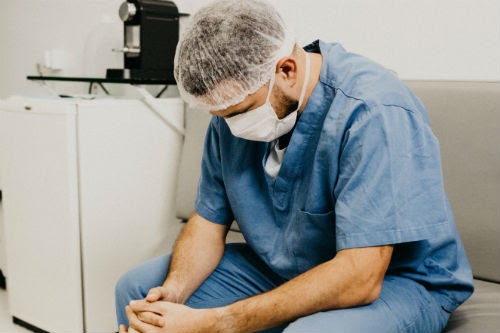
316,63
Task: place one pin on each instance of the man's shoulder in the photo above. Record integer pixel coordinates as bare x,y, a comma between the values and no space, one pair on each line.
358,78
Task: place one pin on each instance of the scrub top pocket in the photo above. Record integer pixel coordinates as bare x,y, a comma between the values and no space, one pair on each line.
314,239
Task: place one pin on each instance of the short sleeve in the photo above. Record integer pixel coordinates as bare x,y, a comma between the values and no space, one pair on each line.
211,199
389,189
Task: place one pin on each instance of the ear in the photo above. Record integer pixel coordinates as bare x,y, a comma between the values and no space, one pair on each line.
286,69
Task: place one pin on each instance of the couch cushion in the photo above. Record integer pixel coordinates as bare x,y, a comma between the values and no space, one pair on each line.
481,313
465,116
196,123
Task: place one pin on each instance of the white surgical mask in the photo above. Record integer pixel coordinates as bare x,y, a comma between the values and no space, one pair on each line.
262,123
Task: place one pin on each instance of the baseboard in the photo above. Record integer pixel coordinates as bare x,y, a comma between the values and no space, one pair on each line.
30,327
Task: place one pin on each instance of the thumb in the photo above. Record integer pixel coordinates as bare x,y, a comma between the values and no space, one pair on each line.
123,329
154,295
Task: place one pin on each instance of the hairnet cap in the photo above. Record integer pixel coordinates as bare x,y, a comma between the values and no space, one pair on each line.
228,51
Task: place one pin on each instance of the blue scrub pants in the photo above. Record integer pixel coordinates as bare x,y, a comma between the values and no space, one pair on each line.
403,305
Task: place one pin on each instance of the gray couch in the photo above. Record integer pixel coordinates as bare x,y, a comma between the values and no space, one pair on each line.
465,117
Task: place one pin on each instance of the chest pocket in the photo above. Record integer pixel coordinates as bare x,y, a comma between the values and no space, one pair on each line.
314,239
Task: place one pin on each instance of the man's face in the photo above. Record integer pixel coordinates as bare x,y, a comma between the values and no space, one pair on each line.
281,104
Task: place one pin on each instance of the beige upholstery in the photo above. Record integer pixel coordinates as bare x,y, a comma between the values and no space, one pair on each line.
465,117
196,123
481,313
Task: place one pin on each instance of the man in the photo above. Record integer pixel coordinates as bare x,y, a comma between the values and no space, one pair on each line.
328,164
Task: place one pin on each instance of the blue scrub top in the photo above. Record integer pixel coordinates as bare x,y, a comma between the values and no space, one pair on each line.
362,169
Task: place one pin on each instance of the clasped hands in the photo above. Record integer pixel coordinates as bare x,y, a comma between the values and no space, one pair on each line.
160,312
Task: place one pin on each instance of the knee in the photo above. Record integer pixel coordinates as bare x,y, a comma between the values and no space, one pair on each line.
136,283
127,288
121,287
123,295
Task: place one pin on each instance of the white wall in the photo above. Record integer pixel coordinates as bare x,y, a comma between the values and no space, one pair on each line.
425,39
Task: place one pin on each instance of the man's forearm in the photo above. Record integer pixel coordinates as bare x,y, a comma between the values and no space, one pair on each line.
339,283
196,254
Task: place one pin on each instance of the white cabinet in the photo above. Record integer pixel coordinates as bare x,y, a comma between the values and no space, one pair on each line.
87,194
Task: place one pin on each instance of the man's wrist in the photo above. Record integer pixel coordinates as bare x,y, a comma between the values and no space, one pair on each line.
175,291
221,320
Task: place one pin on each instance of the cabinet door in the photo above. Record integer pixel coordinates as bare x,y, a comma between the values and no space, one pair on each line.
40,206
128,170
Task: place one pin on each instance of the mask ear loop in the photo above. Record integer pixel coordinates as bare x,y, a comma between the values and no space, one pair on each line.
271,85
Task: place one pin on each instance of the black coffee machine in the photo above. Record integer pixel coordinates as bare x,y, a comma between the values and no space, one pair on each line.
151,33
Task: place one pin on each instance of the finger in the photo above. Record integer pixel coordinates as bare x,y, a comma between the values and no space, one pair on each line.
136,324
130,314
140,306
122,329
151,318
154,294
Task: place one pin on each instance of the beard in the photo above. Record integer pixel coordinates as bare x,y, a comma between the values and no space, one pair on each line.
286,105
